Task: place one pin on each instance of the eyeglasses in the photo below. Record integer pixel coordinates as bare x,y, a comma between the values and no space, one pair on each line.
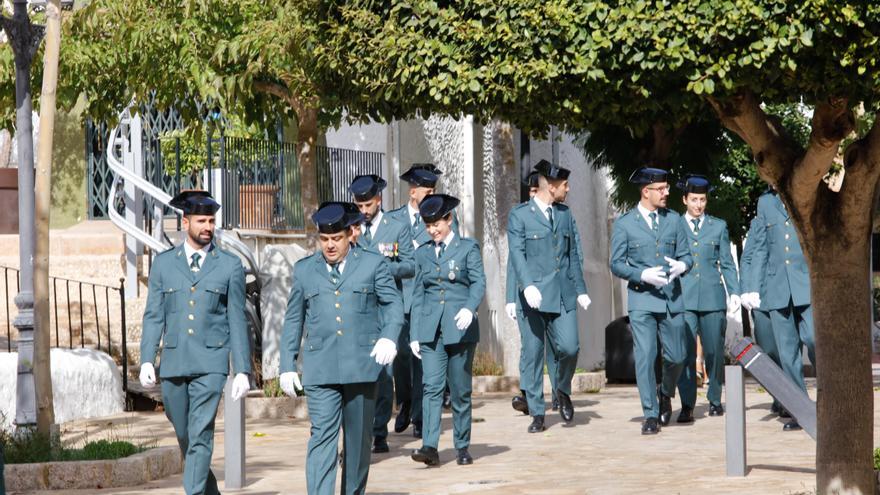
661,189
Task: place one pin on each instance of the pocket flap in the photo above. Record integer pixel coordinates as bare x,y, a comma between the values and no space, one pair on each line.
314,343
368,338
536,234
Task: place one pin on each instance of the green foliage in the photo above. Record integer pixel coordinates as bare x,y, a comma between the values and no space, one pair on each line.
485,365
31,446
877,459
272,388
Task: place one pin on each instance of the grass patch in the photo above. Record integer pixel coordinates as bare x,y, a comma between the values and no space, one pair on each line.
272,388
485,365
30,446
877,459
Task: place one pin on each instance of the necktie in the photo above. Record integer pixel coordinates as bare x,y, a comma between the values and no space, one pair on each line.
550,215
194,265
442,249
654,225
696,223
334,270
368,236
415,219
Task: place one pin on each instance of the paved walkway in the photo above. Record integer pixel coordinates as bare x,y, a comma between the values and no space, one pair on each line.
602,453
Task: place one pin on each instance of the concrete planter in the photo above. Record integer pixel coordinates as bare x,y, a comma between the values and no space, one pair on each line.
76,475
259,407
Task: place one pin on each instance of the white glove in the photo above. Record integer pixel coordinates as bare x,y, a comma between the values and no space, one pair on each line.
584,301
734,304
416,349
676,267
240,386
289,382
655,276
463,318
533,296
751,300
384,351
510,309
148,375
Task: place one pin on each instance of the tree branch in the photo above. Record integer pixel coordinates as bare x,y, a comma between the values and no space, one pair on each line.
833,120
274,89
773,150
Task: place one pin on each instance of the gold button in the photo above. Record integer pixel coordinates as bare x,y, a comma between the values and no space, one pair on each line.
192,289
339,319
189,331
442,302
191,317
696,243
658,255
535,237
786,248
696,254
438,268
557,258
696,265
787,236
336,292
786,223
337,305
192,303
697,275
439,279
442,290
339,332
787,262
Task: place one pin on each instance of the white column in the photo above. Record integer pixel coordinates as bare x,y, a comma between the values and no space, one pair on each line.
467,210
132,159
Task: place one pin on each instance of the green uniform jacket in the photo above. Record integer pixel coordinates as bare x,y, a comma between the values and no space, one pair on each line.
710,250
443,287
341,321
548,258
750,278
392,231
198,316
635,247
778,256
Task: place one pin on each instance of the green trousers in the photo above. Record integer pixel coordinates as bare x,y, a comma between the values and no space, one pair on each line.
350,406
191,406
401,380
711,326
442,364
763,334
646,327
792,329
561,333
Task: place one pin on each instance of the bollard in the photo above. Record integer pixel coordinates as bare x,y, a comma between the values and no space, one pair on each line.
233,443
735,421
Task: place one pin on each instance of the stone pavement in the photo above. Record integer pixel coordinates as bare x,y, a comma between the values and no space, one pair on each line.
602,453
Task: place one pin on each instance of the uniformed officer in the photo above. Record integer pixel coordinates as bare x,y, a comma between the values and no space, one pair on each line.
785,291
422,179
543,249
389,237
519,402
344,303
449,286
751,282
195,305
705,300
649,249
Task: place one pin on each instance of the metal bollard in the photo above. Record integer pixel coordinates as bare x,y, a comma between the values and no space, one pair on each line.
233,444
735,421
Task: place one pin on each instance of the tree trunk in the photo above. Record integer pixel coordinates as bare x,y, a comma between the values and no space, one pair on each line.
307,139
42,343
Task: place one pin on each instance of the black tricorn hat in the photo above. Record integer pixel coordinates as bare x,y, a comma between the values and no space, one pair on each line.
420,177
436,206
551,171
195,202
697,184
648,175
366,187
430,167
532,179
334,216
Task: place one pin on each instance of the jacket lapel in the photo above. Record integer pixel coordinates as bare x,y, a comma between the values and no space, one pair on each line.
211,261
182,263
539,215
641,223
449,251
351,261
781,207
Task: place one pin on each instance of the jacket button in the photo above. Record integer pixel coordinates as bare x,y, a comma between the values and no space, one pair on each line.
189,331
696,254
337,305
339,319
192,289
191,317
786,248
192,303
438,268
442,302
696,243
336,292
339,332
697,275
787,262
787,236
534,237
786,223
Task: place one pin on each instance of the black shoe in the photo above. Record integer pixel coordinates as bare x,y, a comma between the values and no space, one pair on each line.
555,404
665,409
427,455
566,409
791,426
716,410
520,404
380,446
447,402
417,430
650,427
687,415
783,413
464,458
537,425
401,423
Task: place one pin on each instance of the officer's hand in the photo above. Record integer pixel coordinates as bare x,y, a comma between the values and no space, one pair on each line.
416,349
240,386
510,309
584,301
148,375
384,351
463,318
533,297
655,276
734,304
289,382
676,267
751,300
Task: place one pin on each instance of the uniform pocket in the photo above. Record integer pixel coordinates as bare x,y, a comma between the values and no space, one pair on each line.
535,242
314,343
215,338
169,300
169,340
368,339
216,298
366,298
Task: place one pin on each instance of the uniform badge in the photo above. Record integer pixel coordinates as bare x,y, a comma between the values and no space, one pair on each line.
451,270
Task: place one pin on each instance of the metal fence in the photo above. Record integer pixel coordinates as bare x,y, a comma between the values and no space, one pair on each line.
337,167
81,314
260,183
